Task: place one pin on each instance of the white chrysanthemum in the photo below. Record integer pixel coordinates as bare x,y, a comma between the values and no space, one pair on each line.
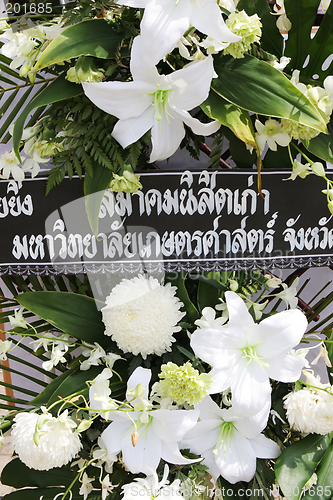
141,316
310,410
58,444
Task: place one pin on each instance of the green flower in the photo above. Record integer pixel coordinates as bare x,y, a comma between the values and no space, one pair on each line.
126,183
85,71
248,27
297,130
184,384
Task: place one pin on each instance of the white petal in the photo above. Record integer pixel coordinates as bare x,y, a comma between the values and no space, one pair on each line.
141,4
209,461
197,126
207,18
264,447
250,427
140,376
121,99
209,409
213,346
141,71
170,453
128,131
237,462
280,333
250,388
282,139
203,437
172,425
260,127
271,143
163,24
222,378
261,141
286,369
191,84
113,436
166,135
145,455
239,316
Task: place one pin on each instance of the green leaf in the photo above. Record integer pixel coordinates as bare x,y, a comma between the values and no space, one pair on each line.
208,295
298,462
258,87
94,189
18,475
192,313
321,47
74,314
45,395
57,90
323,489
271,39
301,14
231,116
321,146
75,382
95,37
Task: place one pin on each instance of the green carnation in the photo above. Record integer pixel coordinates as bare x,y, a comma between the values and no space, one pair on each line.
126,183
85,71
248,27
184,384
297,130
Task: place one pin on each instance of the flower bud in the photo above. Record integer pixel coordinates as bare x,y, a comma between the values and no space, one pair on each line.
318,169
134,438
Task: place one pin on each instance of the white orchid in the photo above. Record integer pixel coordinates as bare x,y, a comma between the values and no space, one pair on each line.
155,102
289,294
244,354
10,166
144,435
270,133
164,22
230,442
208,319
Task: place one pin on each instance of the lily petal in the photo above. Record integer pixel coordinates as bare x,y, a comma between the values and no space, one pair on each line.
281,336
196,125
206,17
264,447
128,131
166,136
236,461
213,346
170,425
145,455
140,376
121,99
163,24
113,436
170,453
286,369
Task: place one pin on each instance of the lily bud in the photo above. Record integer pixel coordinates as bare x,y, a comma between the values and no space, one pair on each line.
134,438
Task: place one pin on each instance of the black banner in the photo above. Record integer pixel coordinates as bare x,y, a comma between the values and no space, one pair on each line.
180,221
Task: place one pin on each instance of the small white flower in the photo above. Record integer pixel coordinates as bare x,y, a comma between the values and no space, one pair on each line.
107,487
86,486
5,346
323,354
101,454
299,170
149,488
10,166
141,316
289,294
318,169
283,23
57,356
57,443
272,281
284,61
18,320
94,353
47,339
99,394
208,319
257,308
270,133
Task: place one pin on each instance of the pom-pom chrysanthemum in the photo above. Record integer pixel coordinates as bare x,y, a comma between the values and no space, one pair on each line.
141,316
57,443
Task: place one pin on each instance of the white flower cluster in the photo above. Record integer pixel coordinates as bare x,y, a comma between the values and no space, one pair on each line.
141,316
310,410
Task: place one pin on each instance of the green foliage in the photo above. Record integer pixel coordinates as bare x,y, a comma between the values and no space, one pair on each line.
256,86
298,462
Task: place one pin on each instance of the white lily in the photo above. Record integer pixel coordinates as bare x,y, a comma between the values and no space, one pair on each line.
230,442
155,102
157,432
164,22
244,354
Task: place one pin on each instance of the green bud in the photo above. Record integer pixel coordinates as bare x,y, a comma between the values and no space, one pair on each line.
318,169
84,425
330,206
85,71
233,285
